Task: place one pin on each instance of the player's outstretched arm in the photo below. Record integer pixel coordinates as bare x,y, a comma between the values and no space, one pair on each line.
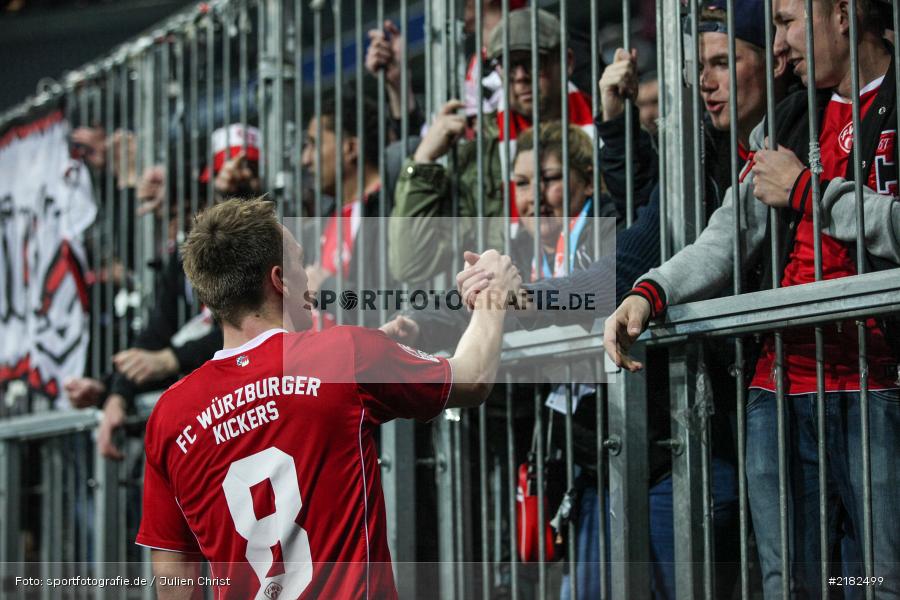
176,567
477,355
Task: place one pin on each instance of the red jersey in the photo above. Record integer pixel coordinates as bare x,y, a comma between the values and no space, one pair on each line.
841,341
264,461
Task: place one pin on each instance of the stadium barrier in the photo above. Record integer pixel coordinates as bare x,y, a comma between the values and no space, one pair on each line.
175,85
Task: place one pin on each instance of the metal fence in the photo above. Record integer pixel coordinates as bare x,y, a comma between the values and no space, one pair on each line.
266,63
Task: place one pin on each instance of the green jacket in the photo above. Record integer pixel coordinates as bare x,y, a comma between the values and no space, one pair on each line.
421,243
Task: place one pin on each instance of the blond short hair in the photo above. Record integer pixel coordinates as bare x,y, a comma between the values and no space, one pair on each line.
581,156
230,251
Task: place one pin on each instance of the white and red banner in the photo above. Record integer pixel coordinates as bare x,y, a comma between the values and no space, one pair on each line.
46,205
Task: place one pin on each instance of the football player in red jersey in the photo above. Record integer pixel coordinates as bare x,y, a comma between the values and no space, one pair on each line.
782,178
263,460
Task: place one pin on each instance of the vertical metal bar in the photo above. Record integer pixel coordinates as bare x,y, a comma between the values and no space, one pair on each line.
382,173
317,102
484,499
697,112
338,123
709,584
243,67
226,77
180,184
536,133
449,32
148,130
273,139
538,253
298,102
264,82
662,129
165,98
124,196
859,174
512,481
603,558
572,533
895,9
180,166
774,219
45,544
482,410
677,123
108,212
137,62
737,283
398,451
628,476
447,509
89,107
459,518
98,364
10,506
453,48
106,510
479,124
699,223
629,122
687,496
541,492
84,484
210,74
816,168
56,504
68,502
180,187
194,119
361,145
497,499
506,163
429,40
564,118
595,110
404,73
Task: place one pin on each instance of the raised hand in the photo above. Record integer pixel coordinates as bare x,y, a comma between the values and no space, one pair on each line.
446,129
618,82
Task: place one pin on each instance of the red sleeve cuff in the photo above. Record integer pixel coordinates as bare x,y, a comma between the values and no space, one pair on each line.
801,193
653,293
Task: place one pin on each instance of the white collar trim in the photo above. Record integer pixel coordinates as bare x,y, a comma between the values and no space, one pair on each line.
258,340
874,84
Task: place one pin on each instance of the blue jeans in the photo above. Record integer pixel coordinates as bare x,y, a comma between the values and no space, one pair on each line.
662,535
844,485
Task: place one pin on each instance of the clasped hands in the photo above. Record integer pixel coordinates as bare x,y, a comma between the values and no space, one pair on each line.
490,280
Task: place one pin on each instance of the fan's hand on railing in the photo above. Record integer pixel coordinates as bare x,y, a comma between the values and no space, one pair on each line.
113,418
622,328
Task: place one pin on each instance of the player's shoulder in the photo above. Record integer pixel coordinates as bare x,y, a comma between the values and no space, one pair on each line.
177,389
189,388
337,334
